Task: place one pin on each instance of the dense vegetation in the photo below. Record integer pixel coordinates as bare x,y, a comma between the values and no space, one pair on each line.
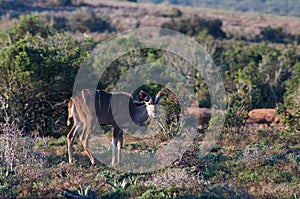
40,55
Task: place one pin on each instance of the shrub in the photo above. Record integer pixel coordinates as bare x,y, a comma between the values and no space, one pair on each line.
236,114
195,25
291,121
292,94
175,12
275,35
16,150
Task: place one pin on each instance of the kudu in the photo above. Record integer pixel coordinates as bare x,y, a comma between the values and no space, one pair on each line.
116,109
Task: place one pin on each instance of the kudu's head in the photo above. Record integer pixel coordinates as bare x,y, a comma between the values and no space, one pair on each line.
152,105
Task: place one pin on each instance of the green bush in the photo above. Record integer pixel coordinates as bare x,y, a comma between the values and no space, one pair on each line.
259,72
37,74
195,25
292,94
275,35
236,114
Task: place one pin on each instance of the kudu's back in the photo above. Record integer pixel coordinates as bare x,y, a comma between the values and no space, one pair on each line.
104,108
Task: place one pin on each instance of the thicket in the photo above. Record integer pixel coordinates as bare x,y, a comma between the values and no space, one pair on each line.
38,66
259,72
37,71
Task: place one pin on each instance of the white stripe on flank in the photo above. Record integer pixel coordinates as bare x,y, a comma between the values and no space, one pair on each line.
109,103
70,113
72,110
83,96
99,101
76,128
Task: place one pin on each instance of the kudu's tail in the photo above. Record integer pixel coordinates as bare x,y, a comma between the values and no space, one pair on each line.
70,111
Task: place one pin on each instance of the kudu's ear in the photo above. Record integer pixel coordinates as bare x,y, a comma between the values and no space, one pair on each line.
143,95
158,97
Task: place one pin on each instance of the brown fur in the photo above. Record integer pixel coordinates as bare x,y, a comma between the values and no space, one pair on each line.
86,111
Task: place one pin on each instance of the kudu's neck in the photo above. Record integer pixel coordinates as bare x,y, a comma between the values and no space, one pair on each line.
138,112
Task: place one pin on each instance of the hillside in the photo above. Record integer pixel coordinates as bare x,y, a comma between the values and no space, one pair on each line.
275,7
233,22
126,15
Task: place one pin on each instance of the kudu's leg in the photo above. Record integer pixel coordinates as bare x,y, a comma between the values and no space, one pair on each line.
117,144
120,145
84,138
70,138
113,147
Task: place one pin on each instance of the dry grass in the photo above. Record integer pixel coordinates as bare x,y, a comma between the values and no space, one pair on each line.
245,165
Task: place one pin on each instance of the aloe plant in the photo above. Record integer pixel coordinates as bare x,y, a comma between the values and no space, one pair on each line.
81,192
